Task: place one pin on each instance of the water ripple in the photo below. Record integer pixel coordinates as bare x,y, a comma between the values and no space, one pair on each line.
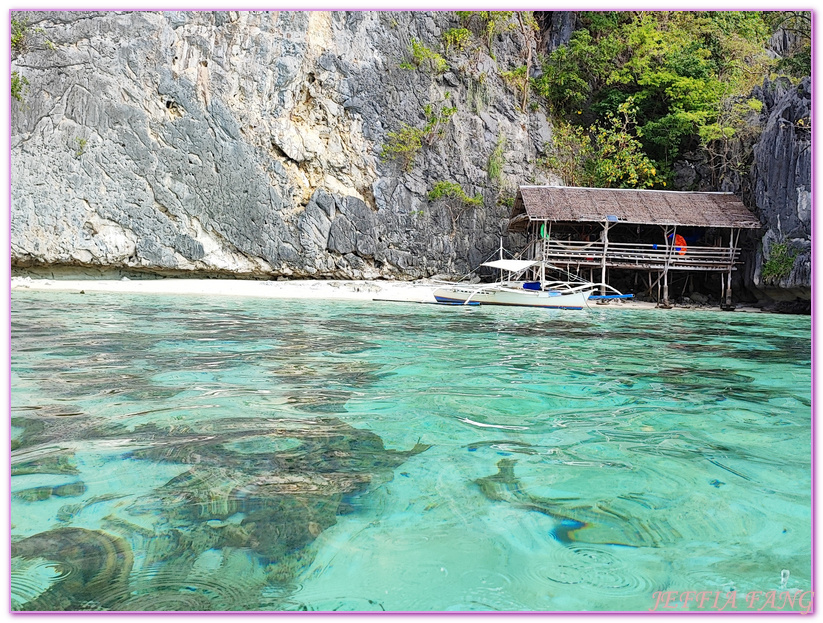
32,578
590,569
426,458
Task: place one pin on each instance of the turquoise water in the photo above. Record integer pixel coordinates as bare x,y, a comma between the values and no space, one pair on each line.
194,454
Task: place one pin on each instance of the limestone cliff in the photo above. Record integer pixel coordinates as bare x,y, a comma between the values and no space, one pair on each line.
774,180
250,143
780,189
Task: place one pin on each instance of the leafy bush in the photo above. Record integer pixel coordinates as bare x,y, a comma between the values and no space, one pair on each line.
678,66
406,143
452,190
618,160
780,262
403,145
19,86
18,34
456,38
564,82
604,155
423,55
492,23
21,36
436,120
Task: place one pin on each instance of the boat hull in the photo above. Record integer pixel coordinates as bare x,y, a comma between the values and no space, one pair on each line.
513,297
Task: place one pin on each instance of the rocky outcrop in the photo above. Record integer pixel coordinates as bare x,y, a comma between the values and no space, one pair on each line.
556,28
780,190
769,165
249,143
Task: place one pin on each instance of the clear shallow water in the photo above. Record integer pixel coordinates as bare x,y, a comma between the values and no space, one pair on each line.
191,454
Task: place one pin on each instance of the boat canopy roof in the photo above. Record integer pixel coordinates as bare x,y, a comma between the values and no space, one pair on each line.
514,266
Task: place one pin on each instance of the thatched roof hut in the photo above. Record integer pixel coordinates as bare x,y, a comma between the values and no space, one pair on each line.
643,207
700,231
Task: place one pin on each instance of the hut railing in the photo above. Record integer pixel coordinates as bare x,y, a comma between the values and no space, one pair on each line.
635,254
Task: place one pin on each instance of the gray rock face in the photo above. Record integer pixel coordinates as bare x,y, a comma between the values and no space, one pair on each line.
780,183
557,28
777,186
249,143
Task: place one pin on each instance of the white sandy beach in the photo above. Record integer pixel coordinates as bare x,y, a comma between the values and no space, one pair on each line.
340,290
417,292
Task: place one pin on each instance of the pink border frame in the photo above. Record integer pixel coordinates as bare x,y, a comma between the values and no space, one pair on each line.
817,233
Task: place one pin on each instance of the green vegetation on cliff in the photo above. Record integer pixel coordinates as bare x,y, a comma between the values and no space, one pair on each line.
456,39
796,60
18,34
607,154
491,23
428,58
19,86
455,198
450,190
404,144
779,264
677,80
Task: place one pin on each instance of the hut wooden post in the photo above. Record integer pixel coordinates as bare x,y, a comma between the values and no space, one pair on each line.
542,263
733,238
544,251
658,288
603,260
731,265
669,250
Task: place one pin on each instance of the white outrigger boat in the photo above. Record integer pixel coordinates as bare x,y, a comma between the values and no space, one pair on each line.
541,293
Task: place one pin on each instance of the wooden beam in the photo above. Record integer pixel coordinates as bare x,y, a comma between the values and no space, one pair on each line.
658,289
603,261
669,251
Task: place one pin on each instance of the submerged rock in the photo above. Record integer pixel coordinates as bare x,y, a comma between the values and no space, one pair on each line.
265,486
36,494
604,523
94,568
243,466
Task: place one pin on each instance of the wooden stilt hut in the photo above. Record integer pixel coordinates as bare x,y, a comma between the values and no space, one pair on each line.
651,232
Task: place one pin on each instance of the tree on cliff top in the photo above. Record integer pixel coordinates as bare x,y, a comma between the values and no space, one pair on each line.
606,155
